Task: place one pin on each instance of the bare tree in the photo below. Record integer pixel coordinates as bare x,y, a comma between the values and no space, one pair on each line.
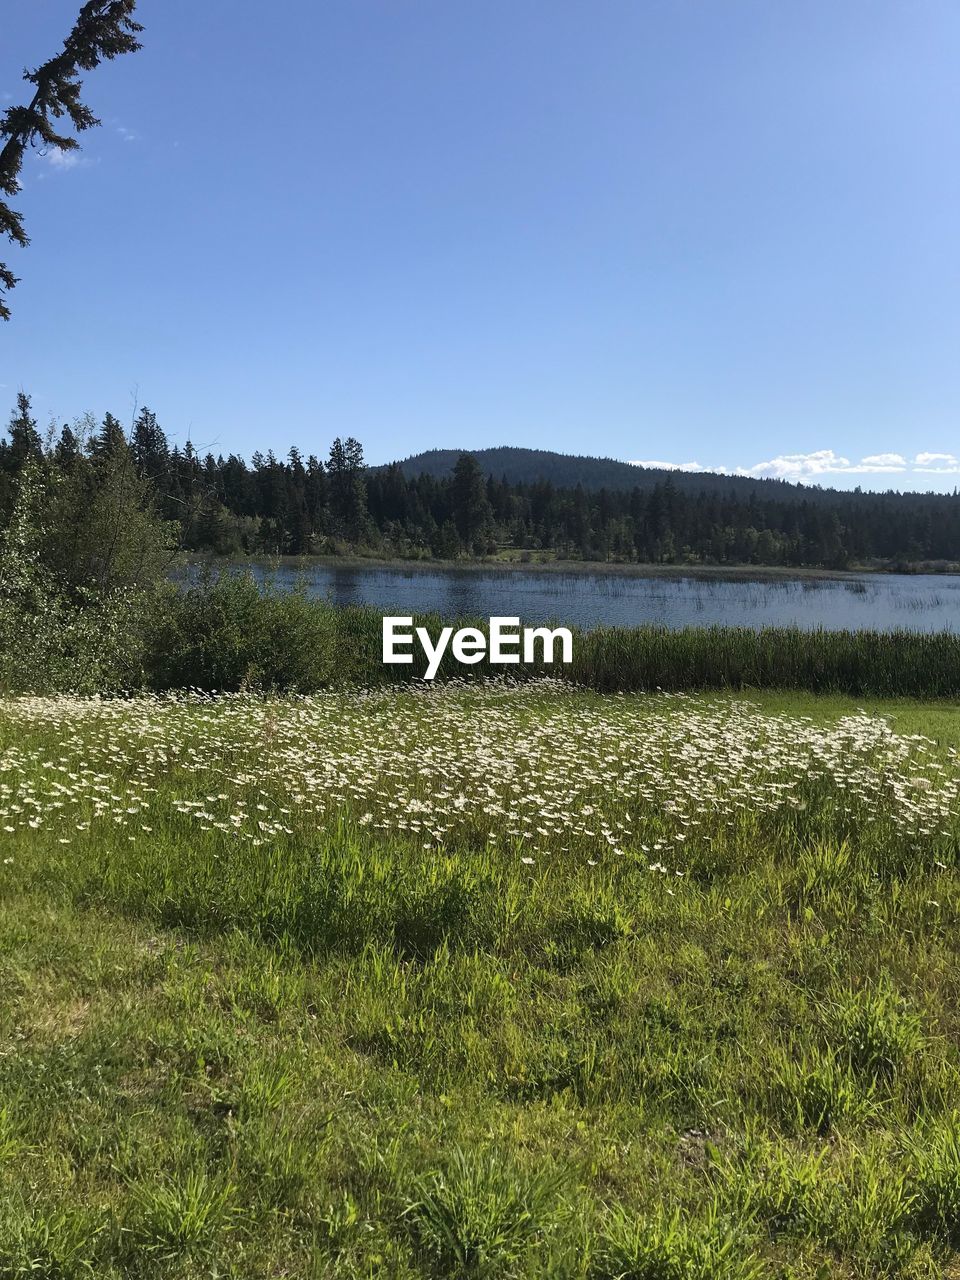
104,29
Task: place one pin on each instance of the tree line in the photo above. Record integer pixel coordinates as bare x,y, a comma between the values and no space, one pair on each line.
296,505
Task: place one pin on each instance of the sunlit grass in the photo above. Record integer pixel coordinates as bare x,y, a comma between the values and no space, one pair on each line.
489,981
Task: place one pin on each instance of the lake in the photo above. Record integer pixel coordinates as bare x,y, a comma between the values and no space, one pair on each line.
877,602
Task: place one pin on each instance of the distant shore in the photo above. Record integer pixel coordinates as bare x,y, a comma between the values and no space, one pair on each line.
587,568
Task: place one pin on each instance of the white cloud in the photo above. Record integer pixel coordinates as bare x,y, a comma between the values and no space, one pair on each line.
811,467
674,466
925,459
824,462
937,464
885,461
799,466
58,159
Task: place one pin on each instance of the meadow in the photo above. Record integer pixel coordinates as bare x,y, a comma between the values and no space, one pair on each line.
479,980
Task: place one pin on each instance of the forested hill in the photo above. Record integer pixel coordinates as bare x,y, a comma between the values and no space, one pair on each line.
567,470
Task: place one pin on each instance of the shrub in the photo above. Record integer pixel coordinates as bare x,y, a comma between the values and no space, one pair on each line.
53,638
230,633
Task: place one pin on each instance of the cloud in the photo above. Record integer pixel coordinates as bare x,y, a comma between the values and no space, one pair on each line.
673,466
824,462
128,135
925,459
811,467
937,464
798,466
63,160
885,461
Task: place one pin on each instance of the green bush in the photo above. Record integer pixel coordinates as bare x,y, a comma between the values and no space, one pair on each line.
229,633
54,637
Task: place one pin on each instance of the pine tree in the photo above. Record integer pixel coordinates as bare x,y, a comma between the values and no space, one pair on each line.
25,442
471,506
109,442
66,454
151,453
347,489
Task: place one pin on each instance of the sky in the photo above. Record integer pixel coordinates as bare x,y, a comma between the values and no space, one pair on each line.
718,234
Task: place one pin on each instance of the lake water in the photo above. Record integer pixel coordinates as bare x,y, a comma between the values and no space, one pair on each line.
878,602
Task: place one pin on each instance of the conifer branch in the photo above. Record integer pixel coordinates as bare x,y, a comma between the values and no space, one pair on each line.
104,29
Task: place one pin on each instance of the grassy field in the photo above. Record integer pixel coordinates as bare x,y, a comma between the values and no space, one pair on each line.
479,981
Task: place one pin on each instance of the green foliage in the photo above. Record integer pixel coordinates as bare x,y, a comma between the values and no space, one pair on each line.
49,1242
51,637
103,531
875,1032
934,1176
179,1215
294,506
347,489
890,664
608,659
227,634
84,552
814,1091
473,515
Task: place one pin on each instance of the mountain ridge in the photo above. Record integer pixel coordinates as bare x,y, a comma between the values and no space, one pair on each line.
566,471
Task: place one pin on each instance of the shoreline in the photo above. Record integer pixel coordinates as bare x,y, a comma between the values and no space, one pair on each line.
573,568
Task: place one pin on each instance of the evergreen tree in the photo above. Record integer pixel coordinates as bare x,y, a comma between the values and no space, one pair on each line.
347,489
284,504
471,506
66,455
25,443
110,442
151,453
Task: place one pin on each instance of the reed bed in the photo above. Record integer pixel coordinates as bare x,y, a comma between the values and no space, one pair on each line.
623,660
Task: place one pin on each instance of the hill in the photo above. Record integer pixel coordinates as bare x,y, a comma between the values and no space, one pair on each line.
566,471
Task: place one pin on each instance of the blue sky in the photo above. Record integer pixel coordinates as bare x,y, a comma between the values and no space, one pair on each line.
724,234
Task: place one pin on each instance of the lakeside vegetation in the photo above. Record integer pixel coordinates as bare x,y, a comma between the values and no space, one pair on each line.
85,556
512,560
492,981
230,633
